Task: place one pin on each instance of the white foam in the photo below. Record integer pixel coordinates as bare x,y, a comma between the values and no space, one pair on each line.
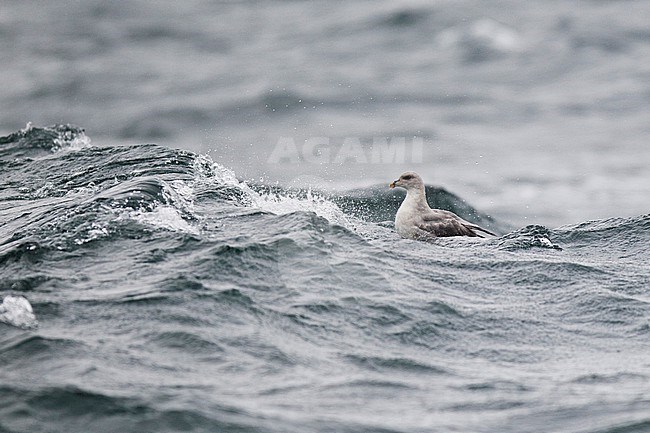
276,203
17,311
180,196
96,231
67,141
208,170
170,215
164,217
79,142
284,204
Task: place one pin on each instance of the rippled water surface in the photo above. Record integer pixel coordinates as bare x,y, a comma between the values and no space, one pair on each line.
537,113
229,277
170,296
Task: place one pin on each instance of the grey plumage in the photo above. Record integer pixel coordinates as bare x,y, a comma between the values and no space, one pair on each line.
416,220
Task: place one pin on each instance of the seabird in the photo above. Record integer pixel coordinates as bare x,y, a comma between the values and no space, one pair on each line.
416,220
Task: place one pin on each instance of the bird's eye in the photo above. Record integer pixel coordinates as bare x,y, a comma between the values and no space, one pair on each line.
407,177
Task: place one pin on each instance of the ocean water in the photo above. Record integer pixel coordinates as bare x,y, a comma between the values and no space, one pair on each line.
211,248
148,289
537,113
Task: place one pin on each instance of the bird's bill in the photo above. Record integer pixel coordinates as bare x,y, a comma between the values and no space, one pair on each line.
392,184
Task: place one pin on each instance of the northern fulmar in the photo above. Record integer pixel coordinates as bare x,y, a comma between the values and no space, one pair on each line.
416,220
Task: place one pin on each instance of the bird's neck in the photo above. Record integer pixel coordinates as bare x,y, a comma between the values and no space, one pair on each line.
416,197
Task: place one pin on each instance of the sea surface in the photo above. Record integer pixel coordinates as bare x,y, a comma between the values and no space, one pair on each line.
148,289
196,227
537,112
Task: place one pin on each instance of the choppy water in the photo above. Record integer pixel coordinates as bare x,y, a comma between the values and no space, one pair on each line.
144,288
536,112
170,296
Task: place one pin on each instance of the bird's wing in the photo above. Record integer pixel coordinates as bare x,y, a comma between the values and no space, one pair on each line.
444,223
439,225
479,228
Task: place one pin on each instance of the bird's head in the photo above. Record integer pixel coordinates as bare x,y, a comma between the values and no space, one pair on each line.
408,180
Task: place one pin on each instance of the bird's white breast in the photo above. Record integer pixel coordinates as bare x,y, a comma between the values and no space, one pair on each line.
405,219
